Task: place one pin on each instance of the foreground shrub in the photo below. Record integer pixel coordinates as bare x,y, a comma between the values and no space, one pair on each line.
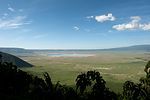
16,84
94,81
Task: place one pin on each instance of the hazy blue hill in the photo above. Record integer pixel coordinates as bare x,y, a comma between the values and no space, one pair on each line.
15,60
16,51
32,52
130,48
13,50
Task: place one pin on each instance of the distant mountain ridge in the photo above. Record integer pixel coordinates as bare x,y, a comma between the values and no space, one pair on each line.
130,48
14,60
32,51
16,51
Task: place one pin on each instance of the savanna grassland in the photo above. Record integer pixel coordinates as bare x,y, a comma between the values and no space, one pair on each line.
115,67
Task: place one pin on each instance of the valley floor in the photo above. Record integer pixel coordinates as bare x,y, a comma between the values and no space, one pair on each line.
115,67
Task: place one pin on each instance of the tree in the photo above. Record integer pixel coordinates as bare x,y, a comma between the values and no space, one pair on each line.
0,58
94,80
147,69
138,91
82,81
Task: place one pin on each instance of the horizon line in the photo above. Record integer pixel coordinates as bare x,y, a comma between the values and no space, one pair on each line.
72,48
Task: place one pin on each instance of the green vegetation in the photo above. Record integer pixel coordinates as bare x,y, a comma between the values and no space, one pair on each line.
115,67
19,85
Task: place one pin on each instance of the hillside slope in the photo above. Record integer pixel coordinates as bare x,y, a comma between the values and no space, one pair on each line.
17,51
15,60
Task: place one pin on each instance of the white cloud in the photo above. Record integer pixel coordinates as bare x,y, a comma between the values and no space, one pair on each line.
87,30
13,23
18,39
11,9
25,30
145,26
90,17
5,14
103,18
20,10
134,24
40,36
128,26
76,28
135,19
110,31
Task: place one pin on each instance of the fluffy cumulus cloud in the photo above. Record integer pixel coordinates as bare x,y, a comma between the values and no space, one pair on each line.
103,18
76,28
13,23
145,26
134,24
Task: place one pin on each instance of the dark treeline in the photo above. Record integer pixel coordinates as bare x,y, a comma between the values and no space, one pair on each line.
16,84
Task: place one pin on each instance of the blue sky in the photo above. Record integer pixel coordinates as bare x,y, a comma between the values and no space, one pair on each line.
74,24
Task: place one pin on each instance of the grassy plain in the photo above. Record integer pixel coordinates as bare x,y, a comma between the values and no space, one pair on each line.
115,67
